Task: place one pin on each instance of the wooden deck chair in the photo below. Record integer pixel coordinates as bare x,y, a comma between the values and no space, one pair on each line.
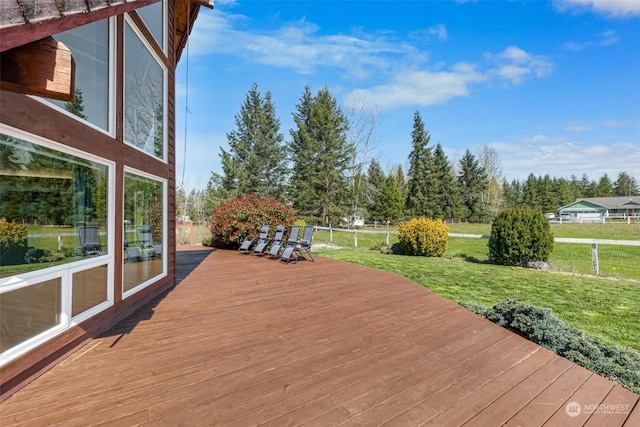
90,241
292,242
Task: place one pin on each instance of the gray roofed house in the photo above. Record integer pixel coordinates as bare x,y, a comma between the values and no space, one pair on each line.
603,207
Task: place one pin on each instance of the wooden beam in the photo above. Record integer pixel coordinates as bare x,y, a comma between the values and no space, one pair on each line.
44,68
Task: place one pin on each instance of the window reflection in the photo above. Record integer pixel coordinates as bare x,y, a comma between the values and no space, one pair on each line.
29,311
143,229
48,197
152,16
89,288
144,97
89,46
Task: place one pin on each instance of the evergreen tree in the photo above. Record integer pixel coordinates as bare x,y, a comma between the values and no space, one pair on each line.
530,196
375,179
444,191
417,201
321,157
256,161
398,174
472,182
625,185
77,106
547,194
604,187
390,201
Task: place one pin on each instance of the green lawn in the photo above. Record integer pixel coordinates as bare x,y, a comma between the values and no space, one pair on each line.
613,230
606,309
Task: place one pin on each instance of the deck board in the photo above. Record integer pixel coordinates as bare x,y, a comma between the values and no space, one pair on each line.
247,341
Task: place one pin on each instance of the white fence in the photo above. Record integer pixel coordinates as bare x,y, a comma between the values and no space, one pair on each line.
603,257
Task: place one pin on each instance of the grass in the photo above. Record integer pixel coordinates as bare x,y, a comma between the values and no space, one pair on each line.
610,230
615,261
605,309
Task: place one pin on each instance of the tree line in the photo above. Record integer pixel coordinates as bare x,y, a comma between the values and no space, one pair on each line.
324,170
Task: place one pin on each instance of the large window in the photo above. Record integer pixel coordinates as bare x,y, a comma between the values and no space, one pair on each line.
56,265
54,207
144,91
144,230
89,46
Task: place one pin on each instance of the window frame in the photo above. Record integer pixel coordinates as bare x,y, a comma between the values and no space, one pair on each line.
111,98
164,182
64,271
165,89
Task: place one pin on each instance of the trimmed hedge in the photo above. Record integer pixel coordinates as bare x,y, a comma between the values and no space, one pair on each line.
424,237
541,326
519,236
240,217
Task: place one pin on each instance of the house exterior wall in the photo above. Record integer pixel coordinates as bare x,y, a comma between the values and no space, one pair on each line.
34,120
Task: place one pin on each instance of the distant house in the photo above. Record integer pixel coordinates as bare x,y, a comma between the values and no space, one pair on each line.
87,170
603,207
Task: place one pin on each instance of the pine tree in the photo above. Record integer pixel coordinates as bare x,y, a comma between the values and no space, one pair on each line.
375,179
417,201
604,188
626,185
77,106
321,157
390,202
256,161
398,174
472,182
444,194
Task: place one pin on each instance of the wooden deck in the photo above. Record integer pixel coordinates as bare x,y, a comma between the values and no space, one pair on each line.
245,341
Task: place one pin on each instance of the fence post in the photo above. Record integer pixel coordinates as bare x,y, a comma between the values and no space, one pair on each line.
594,257
330,234
387,238
355,239
190,233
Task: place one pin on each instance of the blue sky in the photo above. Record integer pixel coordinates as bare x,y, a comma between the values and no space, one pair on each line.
553,86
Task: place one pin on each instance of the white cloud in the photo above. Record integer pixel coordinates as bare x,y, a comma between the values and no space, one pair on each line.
297,46
611,8
439,31
422,88
515,65
608,38
578,127
560,157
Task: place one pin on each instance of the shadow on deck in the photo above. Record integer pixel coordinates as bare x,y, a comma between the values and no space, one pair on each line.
244,341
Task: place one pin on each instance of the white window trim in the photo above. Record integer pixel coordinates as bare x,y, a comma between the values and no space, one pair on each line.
141,286
64,271
165,90
65,308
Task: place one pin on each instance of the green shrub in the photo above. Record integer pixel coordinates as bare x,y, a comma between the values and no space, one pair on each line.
423,236
519,236
207,241
541,326
13,242
235,219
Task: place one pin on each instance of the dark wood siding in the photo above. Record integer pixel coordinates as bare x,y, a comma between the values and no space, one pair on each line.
32,116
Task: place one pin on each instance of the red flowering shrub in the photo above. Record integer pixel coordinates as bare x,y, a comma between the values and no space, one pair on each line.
235,219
